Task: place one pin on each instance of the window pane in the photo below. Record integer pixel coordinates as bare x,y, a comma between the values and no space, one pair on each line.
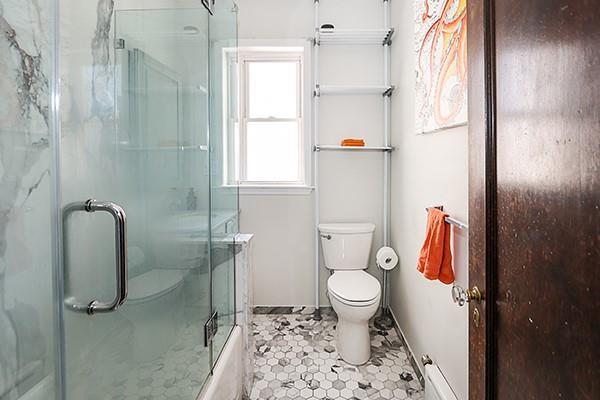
272,151
272,89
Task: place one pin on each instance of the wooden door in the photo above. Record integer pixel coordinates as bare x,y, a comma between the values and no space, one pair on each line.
534,110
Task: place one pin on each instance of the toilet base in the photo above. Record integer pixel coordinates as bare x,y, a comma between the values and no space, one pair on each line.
353,341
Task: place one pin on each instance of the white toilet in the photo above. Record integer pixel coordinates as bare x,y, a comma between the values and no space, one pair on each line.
354,294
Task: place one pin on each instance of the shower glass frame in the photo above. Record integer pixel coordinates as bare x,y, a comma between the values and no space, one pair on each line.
221,197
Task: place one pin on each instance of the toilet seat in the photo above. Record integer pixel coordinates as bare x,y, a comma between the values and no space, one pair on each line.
354,288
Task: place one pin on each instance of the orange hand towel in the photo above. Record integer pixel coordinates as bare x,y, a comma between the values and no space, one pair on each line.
435,259
353,142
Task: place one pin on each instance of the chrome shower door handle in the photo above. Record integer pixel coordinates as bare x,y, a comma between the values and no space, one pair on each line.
120,218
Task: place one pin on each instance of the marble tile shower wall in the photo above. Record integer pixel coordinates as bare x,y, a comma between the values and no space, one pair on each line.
25,246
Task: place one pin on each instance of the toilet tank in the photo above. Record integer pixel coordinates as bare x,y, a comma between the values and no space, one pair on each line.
346,246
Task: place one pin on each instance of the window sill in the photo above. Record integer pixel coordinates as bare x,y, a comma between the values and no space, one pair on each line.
275,190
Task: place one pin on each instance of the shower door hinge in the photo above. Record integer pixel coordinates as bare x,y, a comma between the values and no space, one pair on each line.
210,328
119,44
209,5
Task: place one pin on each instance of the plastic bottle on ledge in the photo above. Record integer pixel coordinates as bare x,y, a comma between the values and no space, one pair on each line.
192,200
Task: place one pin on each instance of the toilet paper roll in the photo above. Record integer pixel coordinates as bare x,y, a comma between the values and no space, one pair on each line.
386,258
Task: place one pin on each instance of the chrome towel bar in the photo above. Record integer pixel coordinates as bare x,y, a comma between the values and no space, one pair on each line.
450,220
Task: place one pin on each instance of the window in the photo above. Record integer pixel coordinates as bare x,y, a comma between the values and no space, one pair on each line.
270,133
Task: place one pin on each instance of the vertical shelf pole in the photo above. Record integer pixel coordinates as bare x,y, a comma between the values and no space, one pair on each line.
316,95
385,318
384,321
386,128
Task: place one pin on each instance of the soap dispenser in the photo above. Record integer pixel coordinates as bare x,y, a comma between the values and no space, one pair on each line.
192,200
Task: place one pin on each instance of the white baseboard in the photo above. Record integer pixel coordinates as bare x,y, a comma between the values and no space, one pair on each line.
417,363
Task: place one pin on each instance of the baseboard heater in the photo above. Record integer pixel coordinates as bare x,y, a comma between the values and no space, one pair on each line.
436,386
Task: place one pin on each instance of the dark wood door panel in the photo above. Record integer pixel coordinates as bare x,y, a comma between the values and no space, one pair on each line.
477,195
548,194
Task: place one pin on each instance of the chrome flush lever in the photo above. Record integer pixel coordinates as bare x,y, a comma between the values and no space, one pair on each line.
328,237
118,214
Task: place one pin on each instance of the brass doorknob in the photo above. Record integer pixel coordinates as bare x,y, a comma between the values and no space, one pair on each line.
474,294
461,296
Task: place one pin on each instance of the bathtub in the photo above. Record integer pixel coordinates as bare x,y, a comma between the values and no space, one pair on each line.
226,381
233,372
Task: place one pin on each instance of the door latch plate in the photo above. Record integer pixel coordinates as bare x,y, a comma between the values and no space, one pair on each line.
476,317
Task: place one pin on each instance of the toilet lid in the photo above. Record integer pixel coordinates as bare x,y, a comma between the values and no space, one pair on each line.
354,286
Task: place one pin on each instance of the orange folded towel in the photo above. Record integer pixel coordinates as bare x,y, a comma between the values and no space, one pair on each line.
435,259
353,142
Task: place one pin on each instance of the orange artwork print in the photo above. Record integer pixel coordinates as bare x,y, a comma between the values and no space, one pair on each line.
441,65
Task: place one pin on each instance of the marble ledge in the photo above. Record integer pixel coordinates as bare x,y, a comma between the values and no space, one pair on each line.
243,238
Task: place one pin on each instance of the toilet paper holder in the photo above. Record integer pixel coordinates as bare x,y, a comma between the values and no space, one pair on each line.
388,257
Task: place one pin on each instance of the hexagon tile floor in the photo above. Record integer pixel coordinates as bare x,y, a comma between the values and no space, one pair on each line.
295,359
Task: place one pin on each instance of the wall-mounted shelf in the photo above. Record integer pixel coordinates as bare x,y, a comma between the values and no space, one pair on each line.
379,37
353,90
325,147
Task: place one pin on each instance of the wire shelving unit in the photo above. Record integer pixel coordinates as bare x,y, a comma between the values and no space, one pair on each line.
335,37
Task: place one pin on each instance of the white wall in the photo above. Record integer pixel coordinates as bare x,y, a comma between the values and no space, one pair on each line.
350,184
427,170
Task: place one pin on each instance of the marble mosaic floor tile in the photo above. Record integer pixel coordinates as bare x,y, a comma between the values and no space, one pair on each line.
296,359
176,375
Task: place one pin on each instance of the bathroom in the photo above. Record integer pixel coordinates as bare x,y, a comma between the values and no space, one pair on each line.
299,199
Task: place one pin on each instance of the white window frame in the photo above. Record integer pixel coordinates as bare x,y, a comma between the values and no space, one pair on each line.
273,53
231,115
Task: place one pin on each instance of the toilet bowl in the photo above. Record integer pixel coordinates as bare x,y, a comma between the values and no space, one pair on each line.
354,294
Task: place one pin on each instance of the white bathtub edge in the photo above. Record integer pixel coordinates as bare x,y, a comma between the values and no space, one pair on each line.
229,369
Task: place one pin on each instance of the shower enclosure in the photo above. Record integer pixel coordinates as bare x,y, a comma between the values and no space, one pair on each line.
117,224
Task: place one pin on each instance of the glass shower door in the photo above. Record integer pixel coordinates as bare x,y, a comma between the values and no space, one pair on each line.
27,302
134,122
224,194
